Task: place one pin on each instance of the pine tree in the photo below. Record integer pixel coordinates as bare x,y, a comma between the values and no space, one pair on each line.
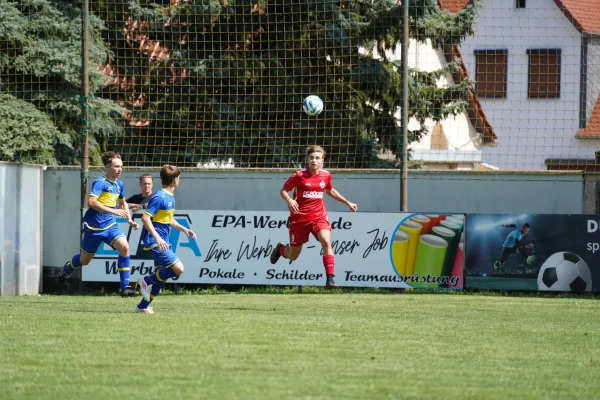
40,71
192,81
224,79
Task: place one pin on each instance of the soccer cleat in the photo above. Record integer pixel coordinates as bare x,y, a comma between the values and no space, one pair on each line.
129,292
330,283
275,253
62,276
497,265
147,310
530,259
145,289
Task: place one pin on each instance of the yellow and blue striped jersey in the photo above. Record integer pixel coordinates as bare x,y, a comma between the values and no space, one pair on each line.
108,193
161,208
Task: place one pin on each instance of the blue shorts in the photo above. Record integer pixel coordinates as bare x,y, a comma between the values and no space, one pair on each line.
92,238
164,259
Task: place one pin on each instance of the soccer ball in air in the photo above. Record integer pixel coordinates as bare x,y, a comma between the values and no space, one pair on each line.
565,272
312,105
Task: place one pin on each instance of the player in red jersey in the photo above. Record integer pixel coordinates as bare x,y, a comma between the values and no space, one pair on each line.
307,211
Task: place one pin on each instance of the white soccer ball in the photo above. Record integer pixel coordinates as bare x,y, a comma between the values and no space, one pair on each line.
312,105
565,272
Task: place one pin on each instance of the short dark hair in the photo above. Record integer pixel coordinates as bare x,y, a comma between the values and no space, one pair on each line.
108,156
168,173
315,149
526,225
146,176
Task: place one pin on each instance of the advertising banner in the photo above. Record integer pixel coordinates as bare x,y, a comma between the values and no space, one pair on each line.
371,250
533,252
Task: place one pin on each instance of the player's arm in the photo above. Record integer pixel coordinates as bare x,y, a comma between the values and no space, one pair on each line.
133,204
289,185
147,222
134,207
334,194
121,203
176,225
153,207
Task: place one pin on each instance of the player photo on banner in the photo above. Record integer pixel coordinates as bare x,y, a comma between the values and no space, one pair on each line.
532,252
388,250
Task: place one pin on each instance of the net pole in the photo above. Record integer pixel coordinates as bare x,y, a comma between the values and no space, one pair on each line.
404,110
85,90
85,112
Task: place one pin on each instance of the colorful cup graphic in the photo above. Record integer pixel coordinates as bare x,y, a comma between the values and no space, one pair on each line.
431,253
434,218
450,237
457,230
452,226
457,270
413,230
457,221
400,251
424,222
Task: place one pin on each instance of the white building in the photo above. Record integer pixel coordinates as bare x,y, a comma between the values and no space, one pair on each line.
455,142
536,67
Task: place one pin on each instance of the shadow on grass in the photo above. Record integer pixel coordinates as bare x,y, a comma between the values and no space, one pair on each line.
111,289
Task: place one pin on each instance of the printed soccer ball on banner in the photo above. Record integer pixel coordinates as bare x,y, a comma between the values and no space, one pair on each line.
565,272
312,105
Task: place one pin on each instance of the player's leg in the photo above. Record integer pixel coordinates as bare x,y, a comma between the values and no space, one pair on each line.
117,240
322,232
90,242
525,254
152,284
144,305
506,252
298,236
168,266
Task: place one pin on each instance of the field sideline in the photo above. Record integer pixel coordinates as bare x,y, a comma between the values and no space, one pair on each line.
311,346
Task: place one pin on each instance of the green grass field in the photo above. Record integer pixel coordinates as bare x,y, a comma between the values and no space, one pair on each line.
307,346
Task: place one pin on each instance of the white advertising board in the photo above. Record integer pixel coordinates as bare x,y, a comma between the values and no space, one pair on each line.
233,247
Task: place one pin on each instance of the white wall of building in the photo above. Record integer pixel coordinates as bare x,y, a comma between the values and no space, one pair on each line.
530,130
453,140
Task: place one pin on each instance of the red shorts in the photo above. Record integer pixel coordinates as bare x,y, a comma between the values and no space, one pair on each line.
300,231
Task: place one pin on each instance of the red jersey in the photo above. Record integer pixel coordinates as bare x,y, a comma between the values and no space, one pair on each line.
309,190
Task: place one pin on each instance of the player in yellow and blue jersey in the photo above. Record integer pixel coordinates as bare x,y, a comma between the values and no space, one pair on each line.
158,221
106,201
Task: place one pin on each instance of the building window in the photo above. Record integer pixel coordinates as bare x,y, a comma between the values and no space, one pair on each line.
544,73
490,73
521,3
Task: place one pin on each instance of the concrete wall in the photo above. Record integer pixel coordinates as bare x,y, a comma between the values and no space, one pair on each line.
375,191
591,195
62,204
20,229
497,192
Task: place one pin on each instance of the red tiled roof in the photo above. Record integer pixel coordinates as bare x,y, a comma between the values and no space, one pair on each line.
592,129
584,14
453,5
